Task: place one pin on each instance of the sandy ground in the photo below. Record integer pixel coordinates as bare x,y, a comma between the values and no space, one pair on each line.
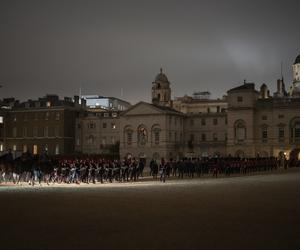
254,212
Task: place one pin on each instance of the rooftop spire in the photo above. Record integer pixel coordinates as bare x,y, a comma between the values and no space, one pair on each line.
161,70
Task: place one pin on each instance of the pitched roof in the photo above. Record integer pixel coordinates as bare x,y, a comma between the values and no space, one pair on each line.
245,86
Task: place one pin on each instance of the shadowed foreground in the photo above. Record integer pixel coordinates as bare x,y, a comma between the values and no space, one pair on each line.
256,212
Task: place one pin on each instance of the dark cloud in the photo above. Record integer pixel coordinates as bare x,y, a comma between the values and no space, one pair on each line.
103,46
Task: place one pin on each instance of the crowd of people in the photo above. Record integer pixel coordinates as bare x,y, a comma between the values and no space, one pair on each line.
43,169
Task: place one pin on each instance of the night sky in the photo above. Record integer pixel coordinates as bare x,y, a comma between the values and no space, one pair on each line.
53,46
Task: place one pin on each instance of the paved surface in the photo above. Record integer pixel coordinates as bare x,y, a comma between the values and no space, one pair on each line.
255,212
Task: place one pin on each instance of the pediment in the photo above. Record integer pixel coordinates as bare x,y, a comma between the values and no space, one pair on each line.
143,108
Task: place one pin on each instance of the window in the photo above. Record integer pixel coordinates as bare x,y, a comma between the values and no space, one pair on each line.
14,132
35,149
15,119
129,136
191,122
56,131
264,117
57,116
226,121
24,132
215,137
281,134
175,136
47,115
1,119
203,122
240,130
91,125
78,142
264,134
142,135
35,132
57,149
170,136
46,129
113,125
103,142
215,121
192,137
203,137
14,147
156,136
48,104
24,148
1,147
239,99
295,130
104,125
91,140
280,116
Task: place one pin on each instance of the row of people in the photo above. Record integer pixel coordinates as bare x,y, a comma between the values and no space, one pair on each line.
32,169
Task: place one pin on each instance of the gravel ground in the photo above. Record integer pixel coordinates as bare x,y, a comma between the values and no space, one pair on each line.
254,212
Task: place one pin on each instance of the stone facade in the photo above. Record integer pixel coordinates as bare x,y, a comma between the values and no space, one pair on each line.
46,124
98,132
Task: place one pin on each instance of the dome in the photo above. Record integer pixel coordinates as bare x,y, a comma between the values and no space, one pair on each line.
161,77
297,60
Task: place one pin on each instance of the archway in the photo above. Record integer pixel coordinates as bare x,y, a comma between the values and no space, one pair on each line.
295,154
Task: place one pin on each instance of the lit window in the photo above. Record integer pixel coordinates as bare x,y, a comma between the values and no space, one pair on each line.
48,104
1,119
57,149
35,149
14,147
1,147
113,126
24,148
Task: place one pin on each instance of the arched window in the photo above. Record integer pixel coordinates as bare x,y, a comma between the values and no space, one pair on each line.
155,137
128,132
295,130
240,131
142,135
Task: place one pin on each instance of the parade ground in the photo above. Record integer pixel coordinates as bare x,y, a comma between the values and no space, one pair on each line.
242,212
